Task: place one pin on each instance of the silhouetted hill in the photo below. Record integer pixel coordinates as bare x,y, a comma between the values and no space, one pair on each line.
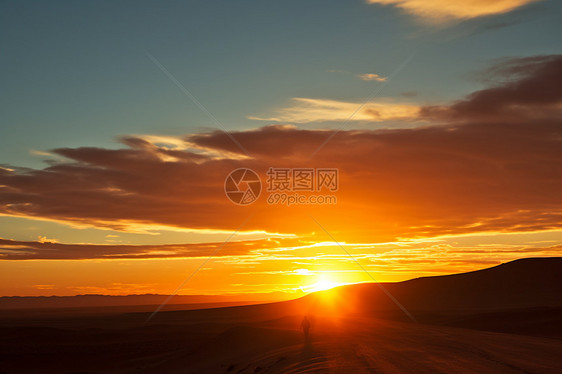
520,297
524,283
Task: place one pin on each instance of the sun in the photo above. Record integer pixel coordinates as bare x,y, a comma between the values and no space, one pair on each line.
324,283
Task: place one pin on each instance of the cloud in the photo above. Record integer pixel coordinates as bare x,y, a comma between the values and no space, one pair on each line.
372,77
491,162
45,286
44,239
306,110
40,153
302,257
525,90
438,11
47,250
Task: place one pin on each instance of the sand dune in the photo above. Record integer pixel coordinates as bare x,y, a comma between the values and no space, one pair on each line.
525,283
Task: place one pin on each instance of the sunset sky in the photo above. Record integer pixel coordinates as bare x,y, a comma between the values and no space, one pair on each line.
443,119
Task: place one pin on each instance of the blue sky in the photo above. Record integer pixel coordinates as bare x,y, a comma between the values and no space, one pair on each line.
76,74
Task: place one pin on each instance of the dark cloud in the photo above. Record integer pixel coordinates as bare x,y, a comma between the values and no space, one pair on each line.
530,88
26,250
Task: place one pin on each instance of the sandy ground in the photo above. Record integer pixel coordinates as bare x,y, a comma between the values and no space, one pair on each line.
369,346
241,345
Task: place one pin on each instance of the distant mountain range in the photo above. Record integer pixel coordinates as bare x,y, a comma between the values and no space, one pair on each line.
79,301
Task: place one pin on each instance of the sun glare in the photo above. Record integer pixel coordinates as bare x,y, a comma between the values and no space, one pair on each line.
323,283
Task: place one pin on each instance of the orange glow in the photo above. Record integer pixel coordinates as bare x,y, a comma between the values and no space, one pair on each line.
284,265
324,282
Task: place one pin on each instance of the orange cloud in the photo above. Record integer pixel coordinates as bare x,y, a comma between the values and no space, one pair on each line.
372,77
438,11
44,239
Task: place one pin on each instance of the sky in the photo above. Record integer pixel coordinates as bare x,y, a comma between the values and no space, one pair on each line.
120,122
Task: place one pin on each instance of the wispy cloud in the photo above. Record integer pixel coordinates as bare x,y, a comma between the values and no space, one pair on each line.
305,110
41,153
372,77
51,250
248,266
438,11
45,286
